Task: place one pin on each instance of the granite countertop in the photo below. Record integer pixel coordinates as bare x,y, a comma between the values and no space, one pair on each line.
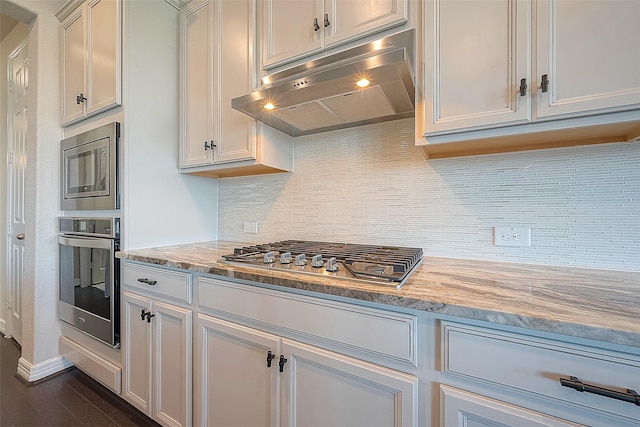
603,305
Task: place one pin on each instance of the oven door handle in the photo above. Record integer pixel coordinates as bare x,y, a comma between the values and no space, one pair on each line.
98,243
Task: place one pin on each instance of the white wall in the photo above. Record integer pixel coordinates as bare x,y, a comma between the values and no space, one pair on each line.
7,46
371,185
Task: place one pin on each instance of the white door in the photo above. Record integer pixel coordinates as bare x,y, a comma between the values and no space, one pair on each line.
171,372
321,388
196,84
589,53
17,164
477,55
460,408
234,384
291,29
136,350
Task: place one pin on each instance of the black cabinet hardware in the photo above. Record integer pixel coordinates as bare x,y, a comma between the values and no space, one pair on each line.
629,396
523,87
281,363
326,20
144,313
80,98
316,27
208,146
545,83
270,357
148,282
149,316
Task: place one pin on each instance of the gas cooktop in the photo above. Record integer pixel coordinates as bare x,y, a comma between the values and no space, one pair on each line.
388,265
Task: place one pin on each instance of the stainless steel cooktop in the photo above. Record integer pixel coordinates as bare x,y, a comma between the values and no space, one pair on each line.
386,265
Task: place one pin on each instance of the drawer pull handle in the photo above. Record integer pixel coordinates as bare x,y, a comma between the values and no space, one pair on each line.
148,282
575,383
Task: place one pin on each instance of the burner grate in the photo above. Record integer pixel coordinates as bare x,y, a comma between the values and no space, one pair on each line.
374,262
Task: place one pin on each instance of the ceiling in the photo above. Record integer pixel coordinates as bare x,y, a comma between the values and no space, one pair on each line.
7,24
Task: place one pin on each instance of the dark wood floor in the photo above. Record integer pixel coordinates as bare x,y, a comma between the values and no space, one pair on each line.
67,399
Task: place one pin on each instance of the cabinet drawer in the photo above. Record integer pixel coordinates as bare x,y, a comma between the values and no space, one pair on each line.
366,331
171,284
535,365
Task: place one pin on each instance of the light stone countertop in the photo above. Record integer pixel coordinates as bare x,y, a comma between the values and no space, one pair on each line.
602,305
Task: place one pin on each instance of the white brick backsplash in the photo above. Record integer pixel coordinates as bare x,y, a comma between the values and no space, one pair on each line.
372,185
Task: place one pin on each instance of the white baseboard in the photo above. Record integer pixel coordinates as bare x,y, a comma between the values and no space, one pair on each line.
30,372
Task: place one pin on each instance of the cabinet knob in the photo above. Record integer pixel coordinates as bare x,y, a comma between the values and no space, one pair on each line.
523,87
80,98
149,316
545,83
270,357
208,146
326,20
142,314
281,363
316,26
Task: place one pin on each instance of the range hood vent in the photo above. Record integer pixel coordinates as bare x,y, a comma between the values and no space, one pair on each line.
322,95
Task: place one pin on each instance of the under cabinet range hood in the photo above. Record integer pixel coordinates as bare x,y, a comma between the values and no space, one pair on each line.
324,94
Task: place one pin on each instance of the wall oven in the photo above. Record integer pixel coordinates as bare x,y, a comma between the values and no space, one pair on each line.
90,276
89,165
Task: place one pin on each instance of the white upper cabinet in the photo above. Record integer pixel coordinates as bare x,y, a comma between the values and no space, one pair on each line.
590,53
478,56
91,66
293,29
216,64
504,75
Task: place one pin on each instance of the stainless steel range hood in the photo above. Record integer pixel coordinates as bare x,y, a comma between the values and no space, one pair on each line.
322,95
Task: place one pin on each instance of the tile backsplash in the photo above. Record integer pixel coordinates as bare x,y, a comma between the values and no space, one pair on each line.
372,185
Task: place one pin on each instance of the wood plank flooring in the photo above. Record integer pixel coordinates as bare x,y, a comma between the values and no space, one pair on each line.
68,399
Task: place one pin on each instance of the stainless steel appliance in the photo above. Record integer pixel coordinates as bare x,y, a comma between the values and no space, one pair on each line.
89,165
386,265
370,83
90,276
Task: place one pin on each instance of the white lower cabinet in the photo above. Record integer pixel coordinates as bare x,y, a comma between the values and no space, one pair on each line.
246,377
157,353
492,377
460,408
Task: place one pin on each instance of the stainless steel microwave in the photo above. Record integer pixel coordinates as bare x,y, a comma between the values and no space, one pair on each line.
89,165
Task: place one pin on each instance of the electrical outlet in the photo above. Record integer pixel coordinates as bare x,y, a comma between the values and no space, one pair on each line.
509,236
250,227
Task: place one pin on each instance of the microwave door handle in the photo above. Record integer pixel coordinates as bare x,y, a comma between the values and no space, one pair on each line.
86,243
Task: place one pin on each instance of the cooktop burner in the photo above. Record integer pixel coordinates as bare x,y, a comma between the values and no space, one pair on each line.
390,265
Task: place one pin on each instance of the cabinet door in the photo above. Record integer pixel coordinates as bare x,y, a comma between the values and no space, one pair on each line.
288,31
196,84
234,386
476,54
461,408
349,19
136,347
73,75
103,87
235,76
589,51
172,373
328,389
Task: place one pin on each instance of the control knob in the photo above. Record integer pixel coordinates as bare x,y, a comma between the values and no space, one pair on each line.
285,258
269,257
332,264
301,259
316,261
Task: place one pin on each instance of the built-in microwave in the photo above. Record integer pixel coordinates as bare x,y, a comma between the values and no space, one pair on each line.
89,166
